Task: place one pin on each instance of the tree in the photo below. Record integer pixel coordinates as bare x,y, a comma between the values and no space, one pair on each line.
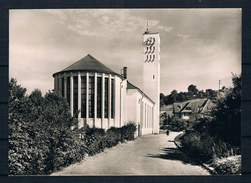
181,97
162,99
173,97
161,96
192,88
25,157
40,138
227,114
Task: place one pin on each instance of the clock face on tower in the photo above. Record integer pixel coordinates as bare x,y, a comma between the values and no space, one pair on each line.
149,49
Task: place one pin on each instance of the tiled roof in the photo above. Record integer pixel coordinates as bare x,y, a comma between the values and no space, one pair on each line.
88,63
194,106
178,106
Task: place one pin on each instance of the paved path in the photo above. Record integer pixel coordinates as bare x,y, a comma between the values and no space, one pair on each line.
147,155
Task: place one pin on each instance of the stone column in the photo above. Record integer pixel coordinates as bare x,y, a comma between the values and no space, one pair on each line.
71,95
87,97
79,95
109,100
65,85
95,99
103,100
60,84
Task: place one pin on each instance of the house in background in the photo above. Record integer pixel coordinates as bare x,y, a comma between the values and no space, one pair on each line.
193,109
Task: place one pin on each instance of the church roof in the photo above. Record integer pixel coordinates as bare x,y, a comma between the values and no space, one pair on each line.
131,86
88,63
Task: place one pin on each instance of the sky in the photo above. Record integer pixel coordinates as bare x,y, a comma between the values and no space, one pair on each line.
198,46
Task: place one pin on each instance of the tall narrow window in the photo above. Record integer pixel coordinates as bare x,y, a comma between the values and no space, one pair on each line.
99,97
83,96
106,97
75,95
58,85
68,90
91,97
112,98
145,117
62,93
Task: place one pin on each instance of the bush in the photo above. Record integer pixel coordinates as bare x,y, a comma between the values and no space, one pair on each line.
94,140
127,131
228,166
164,127
177,124
112,137
198,146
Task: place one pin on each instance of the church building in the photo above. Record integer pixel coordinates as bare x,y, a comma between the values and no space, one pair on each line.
103,98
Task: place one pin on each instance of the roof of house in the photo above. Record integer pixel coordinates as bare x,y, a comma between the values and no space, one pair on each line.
178,106
166,108
191,106
88,63
131,86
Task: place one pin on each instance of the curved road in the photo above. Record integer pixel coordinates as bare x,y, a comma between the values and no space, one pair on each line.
147,155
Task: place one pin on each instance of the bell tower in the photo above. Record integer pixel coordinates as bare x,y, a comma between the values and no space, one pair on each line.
151,72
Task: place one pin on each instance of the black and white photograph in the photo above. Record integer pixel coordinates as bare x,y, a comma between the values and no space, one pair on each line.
117,92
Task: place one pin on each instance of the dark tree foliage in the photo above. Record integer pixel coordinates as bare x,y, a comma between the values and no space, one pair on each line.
227,114
25,157
193,93
192,88
38,128
219,136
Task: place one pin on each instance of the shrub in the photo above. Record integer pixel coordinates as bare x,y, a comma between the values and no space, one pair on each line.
127,131
94,140
177,124
198,146
112,137
164,127
228,166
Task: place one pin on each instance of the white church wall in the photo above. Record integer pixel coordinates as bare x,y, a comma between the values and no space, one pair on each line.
117,101
123,103
132,105
138,101
147,123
